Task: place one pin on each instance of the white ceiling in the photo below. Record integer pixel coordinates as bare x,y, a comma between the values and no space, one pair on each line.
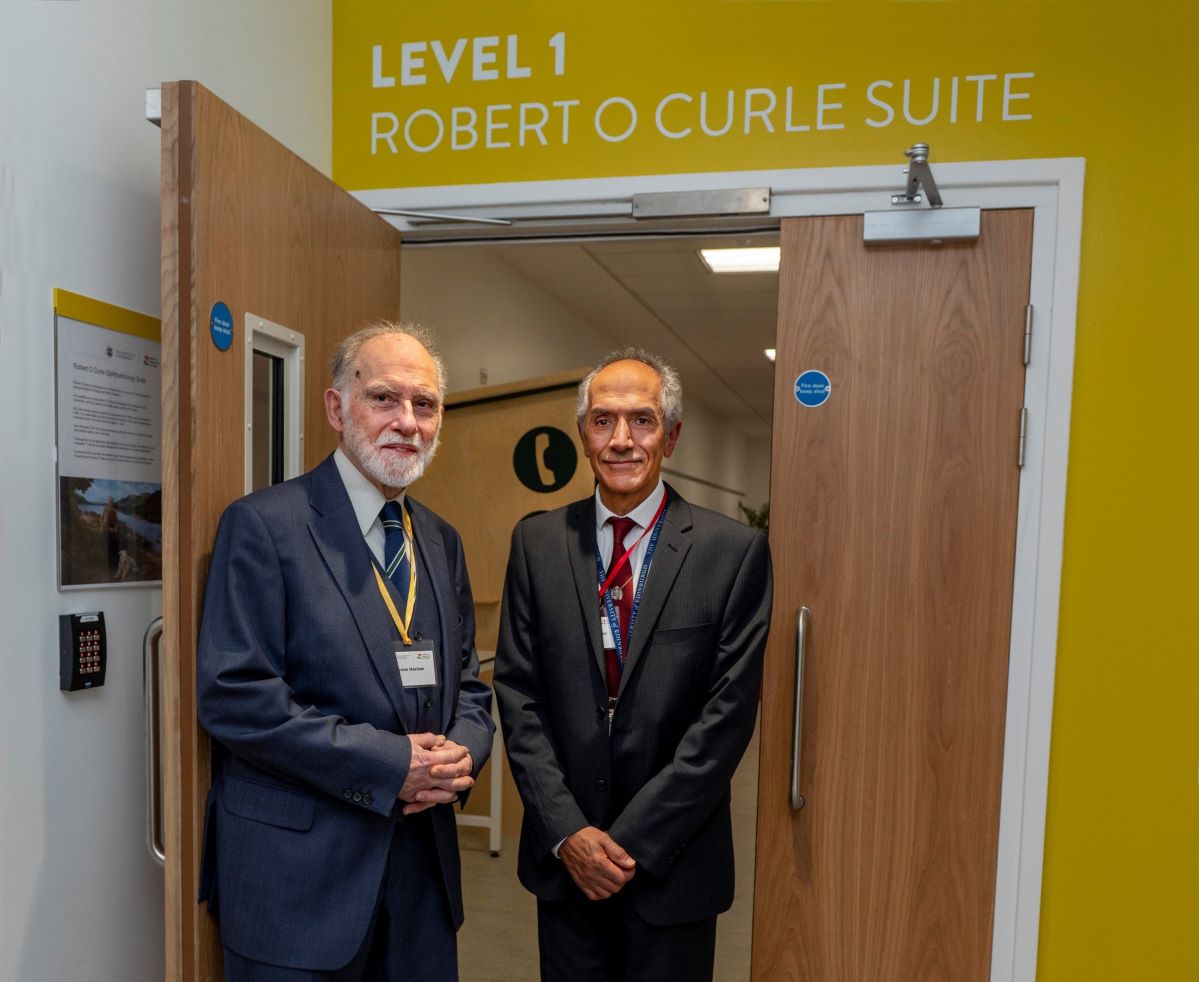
657,293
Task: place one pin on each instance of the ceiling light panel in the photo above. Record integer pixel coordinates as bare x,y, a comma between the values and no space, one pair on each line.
761,259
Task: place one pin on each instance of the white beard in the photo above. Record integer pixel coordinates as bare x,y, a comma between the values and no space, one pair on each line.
389,470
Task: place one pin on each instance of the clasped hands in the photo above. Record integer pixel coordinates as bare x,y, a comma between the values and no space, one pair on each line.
438,770
596,862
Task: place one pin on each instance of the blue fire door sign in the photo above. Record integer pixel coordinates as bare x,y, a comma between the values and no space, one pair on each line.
220,325
812,388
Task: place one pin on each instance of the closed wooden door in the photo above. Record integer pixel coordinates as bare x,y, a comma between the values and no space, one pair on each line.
893,519
248,224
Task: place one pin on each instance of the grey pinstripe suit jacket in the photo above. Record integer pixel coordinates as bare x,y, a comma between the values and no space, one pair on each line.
659,781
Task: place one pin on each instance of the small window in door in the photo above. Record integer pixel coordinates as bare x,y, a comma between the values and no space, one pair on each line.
267,422
274,403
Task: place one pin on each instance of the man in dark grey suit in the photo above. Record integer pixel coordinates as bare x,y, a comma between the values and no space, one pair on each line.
629,660
339,680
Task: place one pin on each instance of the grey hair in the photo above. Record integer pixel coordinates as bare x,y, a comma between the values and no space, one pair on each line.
347,351
672,388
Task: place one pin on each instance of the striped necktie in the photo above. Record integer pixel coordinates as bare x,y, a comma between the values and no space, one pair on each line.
397,554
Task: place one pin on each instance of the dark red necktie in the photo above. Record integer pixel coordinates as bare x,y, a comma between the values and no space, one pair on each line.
622,585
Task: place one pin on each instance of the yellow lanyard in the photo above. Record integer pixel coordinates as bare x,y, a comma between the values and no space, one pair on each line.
402,625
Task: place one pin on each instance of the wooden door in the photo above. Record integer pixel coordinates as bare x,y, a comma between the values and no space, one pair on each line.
247,223
893,519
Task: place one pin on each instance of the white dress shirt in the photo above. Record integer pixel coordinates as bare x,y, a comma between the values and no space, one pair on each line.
642,516
367,501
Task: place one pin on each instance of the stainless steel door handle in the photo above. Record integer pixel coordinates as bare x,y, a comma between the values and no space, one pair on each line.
151,650
802,619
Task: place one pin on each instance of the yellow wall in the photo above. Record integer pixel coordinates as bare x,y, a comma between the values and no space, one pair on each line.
1111,82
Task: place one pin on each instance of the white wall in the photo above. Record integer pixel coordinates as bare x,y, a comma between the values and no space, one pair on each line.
488,315
79,209
710,450
757,482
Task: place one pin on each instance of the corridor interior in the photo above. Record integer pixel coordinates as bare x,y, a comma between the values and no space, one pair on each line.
538,309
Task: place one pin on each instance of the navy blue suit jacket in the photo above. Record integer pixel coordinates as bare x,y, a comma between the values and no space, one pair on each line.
297,682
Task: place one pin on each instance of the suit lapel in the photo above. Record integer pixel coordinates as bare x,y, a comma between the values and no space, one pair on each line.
669,554
339,539
432,552
580,535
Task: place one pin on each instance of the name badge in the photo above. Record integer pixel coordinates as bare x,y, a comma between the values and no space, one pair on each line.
417,665
606,631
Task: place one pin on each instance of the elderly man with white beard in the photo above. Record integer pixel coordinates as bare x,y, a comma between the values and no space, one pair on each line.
338,677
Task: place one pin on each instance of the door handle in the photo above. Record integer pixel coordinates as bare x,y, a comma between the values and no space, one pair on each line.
802,620
151,664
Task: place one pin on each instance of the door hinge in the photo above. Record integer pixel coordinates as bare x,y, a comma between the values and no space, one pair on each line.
1023,437
1027,334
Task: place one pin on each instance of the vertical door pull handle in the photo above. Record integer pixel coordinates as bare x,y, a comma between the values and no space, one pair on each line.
802,619
151,665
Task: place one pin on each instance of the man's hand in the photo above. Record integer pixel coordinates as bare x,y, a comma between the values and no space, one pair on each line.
438,770
596,862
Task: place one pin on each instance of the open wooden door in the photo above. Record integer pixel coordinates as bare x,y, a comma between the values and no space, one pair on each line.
247,224
893,518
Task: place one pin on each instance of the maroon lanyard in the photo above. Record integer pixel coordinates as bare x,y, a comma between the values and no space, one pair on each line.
624,557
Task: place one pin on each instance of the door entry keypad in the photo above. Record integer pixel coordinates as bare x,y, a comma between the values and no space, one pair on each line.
82,653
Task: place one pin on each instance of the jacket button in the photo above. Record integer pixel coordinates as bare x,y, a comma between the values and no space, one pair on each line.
367,799
347,794
357,795
600,713
601,785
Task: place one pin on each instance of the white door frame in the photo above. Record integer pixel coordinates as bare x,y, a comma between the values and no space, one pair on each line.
1054,189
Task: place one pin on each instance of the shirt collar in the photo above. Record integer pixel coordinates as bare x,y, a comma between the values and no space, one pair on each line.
366,499
643,514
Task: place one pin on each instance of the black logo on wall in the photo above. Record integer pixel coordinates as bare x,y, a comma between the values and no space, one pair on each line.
545,459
